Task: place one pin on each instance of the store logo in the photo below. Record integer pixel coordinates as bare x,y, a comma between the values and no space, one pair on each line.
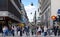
58,11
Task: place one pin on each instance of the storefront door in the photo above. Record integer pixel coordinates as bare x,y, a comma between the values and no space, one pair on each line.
0,27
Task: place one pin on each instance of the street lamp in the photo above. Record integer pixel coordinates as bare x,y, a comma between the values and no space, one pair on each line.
31,4
35,13
35,17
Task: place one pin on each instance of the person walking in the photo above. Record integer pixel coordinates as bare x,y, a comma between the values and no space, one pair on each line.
15,30
21,31
5,29
18,30
42,30
12,31
45,31
32,30
27,30
39,31
59,31
49,29
55,29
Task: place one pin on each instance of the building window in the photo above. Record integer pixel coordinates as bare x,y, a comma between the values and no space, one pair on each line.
38,9
3,5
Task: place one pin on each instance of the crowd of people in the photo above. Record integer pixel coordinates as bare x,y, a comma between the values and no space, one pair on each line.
44,30
39,30
15,30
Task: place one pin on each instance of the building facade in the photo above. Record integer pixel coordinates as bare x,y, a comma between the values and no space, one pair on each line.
39,11
36,18
10,13
24,16
49,8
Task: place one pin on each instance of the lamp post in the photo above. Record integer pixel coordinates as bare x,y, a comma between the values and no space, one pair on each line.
35,13
35,17
31,4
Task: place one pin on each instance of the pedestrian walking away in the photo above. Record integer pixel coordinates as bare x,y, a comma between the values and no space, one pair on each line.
39,31
5,29
12,31
45,31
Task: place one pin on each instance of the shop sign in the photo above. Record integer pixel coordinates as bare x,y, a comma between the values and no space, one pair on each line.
58,11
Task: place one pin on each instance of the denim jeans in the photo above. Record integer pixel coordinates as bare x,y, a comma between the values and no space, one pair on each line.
45,33
4,34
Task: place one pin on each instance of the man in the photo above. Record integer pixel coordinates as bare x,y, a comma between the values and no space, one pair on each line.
27,30
21,32
55,29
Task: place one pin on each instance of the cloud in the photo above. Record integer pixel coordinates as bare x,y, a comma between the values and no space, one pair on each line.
30,9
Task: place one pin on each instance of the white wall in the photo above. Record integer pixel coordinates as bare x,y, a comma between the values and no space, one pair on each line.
3,13
55,5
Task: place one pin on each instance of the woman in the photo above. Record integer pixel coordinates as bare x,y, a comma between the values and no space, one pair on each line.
5,31
12,30
45,31
39,31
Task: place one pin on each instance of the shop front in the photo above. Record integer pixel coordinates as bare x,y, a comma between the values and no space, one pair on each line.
6,21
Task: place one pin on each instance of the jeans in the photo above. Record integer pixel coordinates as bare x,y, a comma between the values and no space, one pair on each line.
27,33
4,34
45,33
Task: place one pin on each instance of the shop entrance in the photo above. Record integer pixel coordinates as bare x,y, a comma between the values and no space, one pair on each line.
1,25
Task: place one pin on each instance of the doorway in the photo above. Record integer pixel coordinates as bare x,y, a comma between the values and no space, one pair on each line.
0,27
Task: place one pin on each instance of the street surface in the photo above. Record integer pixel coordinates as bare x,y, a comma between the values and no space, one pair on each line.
24,35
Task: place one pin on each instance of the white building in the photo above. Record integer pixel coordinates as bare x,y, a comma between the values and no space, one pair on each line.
36,18
49,8
39,11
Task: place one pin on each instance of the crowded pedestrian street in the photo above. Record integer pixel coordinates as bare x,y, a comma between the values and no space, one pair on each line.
24,35
29,18
30,35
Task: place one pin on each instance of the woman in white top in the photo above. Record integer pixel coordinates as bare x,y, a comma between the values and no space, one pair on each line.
45,30
5,28
39,30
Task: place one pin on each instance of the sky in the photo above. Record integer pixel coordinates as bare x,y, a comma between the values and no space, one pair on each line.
28,2
30,9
